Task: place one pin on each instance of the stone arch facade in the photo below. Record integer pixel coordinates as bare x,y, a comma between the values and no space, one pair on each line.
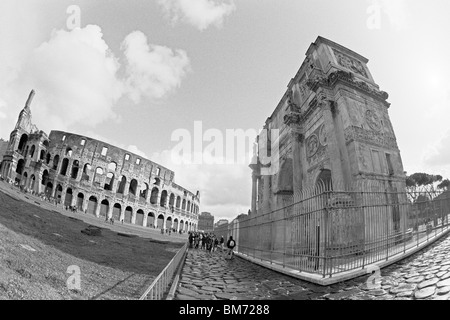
95,172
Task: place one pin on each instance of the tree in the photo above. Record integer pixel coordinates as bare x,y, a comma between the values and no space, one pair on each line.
424,182
444,185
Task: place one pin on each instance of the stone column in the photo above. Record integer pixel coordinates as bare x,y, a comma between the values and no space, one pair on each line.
294,119
144,222
97,208
110,211
126,188
254,192
84,205
74,201
332,143
147,197
133,216
122,213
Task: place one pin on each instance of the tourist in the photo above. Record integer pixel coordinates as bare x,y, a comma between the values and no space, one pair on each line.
216,243
222,240
230,245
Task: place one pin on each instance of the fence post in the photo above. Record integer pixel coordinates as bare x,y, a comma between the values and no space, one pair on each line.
387,224
364,229
284,238
325,246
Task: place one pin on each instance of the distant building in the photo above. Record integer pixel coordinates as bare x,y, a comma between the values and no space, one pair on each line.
206,222
3,148
220,222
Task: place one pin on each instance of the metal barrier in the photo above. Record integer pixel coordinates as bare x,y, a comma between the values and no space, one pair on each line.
159,286
329,230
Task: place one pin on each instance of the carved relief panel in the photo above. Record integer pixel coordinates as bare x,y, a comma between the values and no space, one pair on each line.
316,145
350,63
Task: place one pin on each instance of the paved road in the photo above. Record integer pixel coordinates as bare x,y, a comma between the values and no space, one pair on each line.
424,275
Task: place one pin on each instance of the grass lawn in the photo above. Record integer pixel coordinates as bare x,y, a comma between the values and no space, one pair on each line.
112,266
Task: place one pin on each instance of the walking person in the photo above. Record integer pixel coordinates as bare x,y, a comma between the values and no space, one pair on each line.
222,241
230,245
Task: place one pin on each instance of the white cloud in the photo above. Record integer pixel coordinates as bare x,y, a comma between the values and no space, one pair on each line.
199,13
152,70
438,154
78,79
74,75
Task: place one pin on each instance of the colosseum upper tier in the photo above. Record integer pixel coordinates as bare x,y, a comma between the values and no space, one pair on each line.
96,177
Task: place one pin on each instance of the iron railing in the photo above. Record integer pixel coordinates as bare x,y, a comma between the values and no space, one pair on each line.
331,229
159,286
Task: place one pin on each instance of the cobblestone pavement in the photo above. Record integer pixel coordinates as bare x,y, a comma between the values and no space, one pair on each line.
424,275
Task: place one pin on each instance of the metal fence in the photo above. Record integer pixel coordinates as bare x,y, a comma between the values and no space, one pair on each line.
157,290
331,229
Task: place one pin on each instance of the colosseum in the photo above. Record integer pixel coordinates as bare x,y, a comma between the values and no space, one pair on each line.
96,177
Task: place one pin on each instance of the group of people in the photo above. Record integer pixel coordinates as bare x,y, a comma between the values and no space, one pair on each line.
210,242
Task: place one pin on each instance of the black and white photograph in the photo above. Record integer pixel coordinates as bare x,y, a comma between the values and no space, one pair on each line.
225,156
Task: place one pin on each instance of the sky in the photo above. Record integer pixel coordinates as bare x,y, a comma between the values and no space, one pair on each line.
155,77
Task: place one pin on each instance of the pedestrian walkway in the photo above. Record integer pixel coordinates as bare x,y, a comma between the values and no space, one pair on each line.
424,275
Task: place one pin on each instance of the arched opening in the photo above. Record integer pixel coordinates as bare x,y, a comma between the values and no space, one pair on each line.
75,169
324,180
22,142
104,207
133,187
171,201
32,150
169,223
160,221
186,226
183,207
47,158
117,209
20,166
163,201
42,155
121,187
55,162
178,203
150,220
23,180
68,199
46,144
45,177
157,182
92,205
86,172
188,209
58,193
181,225
48,189
154,196
25,154
80,199
64,166
175,224
143,193
98,176
109,181
128,214
139,217
32,182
